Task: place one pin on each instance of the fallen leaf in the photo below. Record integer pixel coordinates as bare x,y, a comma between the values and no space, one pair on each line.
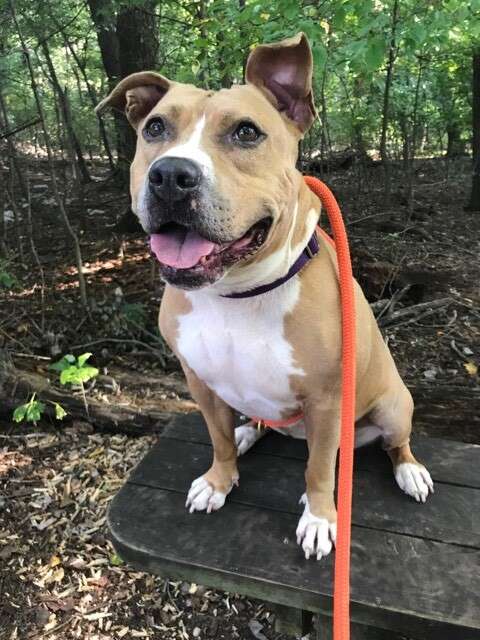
54,561
471,368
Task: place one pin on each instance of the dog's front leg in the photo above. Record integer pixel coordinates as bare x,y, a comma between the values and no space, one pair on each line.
209,491
317,527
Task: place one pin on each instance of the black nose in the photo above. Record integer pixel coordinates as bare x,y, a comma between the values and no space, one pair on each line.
174,178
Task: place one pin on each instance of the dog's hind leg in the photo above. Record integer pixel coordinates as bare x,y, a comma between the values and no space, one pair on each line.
246,436
393,416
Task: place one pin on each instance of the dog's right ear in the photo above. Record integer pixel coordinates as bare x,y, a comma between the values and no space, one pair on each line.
136,95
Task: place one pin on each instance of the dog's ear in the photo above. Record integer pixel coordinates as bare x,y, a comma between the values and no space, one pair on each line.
136,95
283,72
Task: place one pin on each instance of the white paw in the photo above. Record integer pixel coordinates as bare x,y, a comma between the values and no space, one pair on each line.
414,480
203,497
245,437
315,535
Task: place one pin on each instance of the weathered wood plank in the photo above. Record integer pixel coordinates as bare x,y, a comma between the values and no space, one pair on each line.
421,588
451,515
448,461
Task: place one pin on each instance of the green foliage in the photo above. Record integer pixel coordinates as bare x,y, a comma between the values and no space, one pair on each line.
206,42
74,370
31,411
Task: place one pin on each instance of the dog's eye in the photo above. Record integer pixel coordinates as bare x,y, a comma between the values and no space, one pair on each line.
246,132
154,128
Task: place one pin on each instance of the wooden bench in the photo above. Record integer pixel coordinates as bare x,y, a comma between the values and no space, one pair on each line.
415,568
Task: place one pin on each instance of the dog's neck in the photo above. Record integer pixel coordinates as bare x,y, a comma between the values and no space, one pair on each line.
303,220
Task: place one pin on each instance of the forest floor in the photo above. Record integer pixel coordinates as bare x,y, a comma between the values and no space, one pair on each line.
59,576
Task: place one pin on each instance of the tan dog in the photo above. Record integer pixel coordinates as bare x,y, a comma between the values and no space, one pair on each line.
214,183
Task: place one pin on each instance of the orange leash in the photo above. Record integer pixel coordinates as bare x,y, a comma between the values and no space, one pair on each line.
341,593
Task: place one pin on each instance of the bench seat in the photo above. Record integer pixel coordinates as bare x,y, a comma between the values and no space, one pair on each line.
415,567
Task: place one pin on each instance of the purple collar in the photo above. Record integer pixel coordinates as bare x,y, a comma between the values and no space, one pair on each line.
307,254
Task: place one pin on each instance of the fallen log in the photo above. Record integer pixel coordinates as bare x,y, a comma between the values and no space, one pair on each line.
134,412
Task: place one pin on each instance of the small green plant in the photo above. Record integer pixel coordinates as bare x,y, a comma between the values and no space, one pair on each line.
7,280
33,410
75,371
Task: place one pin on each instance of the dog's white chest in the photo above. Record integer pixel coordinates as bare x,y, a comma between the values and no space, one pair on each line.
238,348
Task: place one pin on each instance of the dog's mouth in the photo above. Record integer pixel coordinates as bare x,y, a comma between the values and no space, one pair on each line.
183,248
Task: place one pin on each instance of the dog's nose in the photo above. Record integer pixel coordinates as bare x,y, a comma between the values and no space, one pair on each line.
174,178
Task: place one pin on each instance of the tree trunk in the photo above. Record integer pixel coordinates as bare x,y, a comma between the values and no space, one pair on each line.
12,152
413,146
392,53
138,48
66,115
128,43
109,51
455,146
474,204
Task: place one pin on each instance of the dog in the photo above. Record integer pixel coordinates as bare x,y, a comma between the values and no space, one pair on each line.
214,184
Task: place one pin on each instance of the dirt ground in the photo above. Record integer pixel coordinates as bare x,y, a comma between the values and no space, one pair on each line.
59,575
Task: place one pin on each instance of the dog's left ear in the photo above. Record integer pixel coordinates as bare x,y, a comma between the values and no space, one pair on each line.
283,72
136,95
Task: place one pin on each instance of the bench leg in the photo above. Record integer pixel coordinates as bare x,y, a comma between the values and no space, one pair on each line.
291,621
324,631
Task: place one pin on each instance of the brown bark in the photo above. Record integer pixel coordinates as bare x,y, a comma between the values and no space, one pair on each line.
128,43
138,48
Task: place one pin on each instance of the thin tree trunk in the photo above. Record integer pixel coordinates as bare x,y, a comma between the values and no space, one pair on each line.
413,146
56,192
67,116
93,99
392,53
12,151
474,203
3,224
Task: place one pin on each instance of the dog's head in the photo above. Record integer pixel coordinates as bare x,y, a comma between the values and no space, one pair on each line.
214,180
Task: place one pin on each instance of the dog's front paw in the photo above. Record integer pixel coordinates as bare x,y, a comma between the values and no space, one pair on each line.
414,480
203,497
315,535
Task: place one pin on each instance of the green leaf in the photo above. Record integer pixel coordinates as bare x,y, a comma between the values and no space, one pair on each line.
74,375
115,560
20,413
34,411
60,412
374,54
83,358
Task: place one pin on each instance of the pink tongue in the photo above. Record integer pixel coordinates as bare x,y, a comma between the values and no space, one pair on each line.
179,249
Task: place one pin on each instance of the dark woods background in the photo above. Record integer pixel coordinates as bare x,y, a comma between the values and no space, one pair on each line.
397,87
